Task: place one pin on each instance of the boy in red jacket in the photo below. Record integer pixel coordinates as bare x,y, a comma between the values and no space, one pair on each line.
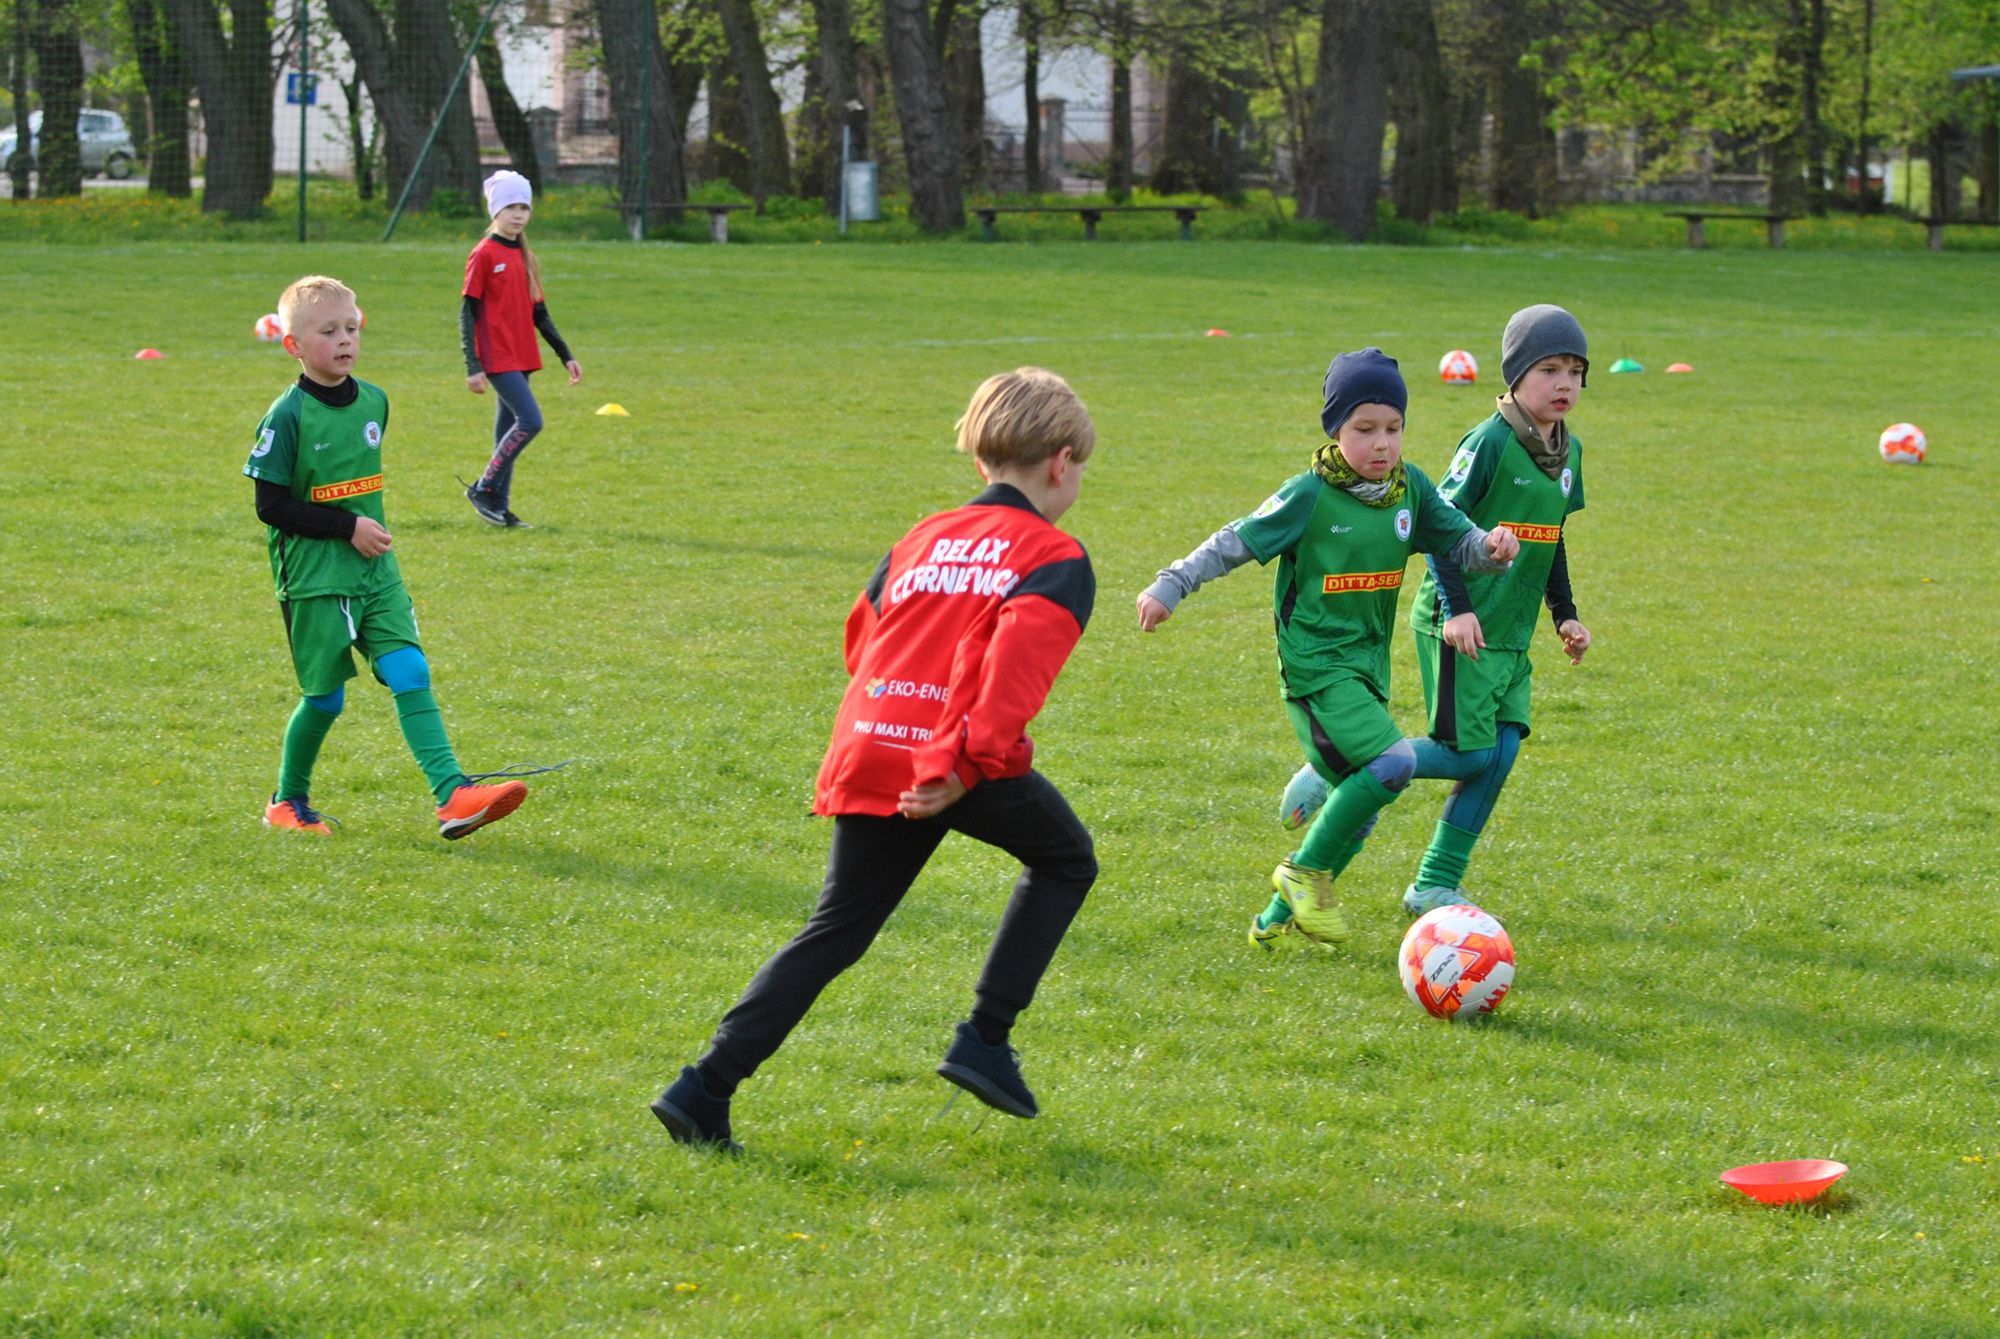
953,645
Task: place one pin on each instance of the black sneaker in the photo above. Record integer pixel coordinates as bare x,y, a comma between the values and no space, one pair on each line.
486,505
990,1073
693,1115
514,522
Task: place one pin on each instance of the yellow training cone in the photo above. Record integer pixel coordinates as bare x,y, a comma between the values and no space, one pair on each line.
612,411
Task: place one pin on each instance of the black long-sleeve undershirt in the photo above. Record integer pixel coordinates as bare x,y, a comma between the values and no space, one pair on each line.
1556,595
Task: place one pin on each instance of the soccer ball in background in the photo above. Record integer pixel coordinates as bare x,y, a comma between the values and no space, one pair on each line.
1458,368
1457,962
269,331
1903,444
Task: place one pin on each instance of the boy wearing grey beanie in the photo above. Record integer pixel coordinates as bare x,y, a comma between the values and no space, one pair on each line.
1521,470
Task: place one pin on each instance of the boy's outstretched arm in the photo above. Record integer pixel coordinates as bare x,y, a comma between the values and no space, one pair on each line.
1217,556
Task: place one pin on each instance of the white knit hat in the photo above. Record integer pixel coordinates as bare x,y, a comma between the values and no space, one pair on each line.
505,188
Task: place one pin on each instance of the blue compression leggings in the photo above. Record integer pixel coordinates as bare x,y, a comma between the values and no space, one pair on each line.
516,420
1480,774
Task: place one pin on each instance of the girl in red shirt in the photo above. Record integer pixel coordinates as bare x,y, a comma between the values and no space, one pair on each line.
497,321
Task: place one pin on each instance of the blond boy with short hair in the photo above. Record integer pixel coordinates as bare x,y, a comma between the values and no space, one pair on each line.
953,645
317,463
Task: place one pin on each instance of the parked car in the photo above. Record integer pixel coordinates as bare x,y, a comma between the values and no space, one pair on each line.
106,144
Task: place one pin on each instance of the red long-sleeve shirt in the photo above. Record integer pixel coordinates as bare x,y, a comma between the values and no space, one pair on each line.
953,646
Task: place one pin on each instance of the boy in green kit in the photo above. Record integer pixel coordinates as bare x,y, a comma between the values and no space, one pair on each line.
1520,470
1342,533
317,463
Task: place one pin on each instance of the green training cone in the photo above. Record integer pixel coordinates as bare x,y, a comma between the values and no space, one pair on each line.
1627,365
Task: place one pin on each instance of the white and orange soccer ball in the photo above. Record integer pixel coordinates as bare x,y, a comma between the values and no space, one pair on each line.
269,329
1457,962
1903,444
1458,368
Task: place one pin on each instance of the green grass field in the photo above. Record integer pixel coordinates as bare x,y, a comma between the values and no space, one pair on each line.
254,1085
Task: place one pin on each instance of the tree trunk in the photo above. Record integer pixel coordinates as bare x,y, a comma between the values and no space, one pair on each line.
234,77
58,42
20,163
429,49
361,141
930,136
407,74
1031,95
1787,194
1869,203
1524,148
1200,144
163,67
509,121
630,32
727,156
831,86
1424,180
1343,168
1986,160
403,124
965,82
1118,167
1812,137
763,118
1944,174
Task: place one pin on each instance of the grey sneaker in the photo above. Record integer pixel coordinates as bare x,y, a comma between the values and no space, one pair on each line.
1417,901
488,507
1305,795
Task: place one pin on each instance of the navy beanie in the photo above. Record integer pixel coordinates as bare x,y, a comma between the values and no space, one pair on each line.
1356,379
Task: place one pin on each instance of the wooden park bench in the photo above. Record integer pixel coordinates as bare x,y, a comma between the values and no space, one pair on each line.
1936,227
718,215
1698,236
1090,214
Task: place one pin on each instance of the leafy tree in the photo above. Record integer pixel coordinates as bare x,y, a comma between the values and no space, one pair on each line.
634,56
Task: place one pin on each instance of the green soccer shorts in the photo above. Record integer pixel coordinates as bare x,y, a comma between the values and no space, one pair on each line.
325,630
1342,728
1467,699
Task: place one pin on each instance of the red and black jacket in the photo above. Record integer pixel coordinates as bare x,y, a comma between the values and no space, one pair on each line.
953,645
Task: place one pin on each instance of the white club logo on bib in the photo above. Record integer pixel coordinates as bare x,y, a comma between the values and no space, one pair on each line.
373,432
1565,481
1461,466
1403,524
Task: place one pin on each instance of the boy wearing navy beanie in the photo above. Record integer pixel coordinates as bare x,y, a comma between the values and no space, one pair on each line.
1341,532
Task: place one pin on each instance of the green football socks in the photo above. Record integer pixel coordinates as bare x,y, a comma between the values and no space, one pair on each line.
1445,861
1331,842
423,729
306,731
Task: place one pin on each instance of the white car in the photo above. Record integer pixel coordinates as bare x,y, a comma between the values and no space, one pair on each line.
106,144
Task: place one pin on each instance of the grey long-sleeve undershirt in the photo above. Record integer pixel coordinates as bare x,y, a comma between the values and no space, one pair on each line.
1224,551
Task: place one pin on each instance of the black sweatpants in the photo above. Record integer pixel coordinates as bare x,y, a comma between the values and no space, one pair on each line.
873,863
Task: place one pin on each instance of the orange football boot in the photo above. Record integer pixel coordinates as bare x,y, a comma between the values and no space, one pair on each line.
472,807
297,816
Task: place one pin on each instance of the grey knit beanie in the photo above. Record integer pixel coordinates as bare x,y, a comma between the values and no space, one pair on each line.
1538,332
